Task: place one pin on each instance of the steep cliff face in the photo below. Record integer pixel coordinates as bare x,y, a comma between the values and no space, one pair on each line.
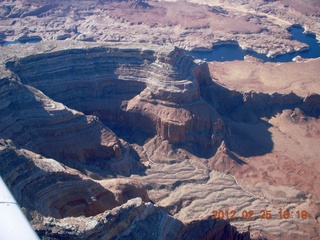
35,122
251,106
129,222
64,110
47,187
208,229
62,203
157,93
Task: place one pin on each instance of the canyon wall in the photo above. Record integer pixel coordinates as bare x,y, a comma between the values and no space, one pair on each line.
61,114
45,186
62,203
35,122
135,220
251,106
155,93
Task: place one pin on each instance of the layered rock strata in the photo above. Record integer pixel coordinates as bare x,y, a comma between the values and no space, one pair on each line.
147,105
251,106
62,203
35,122
47,187
257,25
157,93
129,222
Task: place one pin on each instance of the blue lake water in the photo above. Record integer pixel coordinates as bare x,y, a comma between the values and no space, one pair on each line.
231,52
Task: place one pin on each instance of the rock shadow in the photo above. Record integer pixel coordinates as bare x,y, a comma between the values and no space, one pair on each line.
198,150
247,139
246,133
235,158
57,132
45,186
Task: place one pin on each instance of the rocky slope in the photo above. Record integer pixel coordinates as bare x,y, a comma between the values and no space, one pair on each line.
129,222
50,188
55,109
85,127
62,203
35,122
156,93
258,25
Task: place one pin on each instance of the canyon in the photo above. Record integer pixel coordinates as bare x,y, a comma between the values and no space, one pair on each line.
41,130
106,134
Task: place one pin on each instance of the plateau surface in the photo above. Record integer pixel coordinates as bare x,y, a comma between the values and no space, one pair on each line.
108,130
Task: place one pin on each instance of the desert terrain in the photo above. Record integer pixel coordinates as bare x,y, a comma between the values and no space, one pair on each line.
111,129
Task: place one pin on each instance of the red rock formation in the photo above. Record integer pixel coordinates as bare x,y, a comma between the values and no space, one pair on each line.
159,92
209,229
52,189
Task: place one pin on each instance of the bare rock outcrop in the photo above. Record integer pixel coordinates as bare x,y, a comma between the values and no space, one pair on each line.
62,203
37,123
257,25
209,229
134,220
157,92
96,125
49,188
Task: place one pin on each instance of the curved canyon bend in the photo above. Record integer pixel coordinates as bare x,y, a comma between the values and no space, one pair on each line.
106,134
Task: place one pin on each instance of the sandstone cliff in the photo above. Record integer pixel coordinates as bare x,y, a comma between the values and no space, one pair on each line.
50,188
35,122
62,203
129,222
86,127
154,92
62,111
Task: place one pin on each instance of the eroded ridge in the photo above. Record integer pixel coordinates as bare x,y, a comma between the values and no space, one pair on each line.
110,123
49,188
157,93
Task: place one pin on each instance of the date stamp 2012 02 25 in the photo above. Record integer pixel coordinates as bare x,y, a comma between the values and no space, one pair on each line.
262,214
